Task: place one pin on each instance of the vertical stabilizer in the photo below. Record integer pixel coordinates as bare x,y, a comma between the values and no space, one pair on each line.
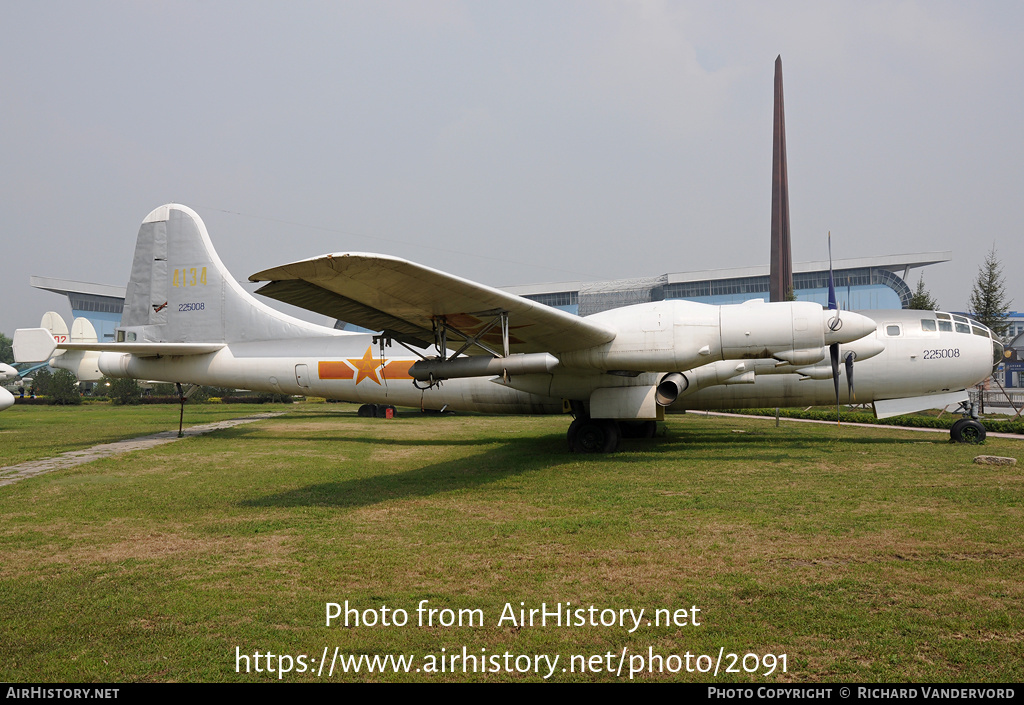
82,331
781,275
180,291
53,322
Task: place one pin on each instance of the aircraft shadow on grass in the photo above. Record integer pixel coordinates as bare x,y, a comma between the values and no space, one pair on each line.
501,459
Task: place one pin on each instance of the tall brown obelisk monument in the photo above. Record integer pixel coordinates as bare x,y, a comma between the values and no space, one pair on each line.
780,286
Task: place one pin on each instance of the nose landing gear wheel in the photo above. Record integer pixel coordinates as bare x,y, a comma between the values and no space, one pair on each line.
967,431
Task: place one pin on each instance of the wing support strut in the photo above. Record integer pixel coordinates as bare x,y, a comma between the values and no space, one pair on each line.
442,328
434,370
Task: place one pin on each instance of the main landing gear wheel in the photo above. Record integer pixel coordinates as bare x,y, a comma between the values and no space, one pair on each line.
967,431
588,435
376,411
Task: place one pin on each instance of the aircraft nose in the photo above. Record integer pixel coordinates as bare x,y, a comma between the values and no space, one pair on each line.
848,327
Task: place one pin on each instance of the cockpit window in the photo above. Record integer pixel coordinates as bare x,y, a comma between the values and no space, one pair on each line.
946,326
892,330
962,328
979,331
927,324
944,316
961,319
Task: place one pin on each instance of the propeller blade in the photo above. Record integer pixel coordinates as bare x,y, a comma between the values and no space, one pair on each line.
833,352
834,324
831,281
850,357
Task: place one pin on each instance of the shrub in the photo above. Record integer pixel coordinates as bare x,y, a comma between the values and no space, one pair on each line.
41,380
63,389
124,391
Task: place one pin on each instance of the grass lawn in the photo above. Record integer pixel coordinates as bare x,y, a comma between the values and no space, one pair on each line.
33,432
860,554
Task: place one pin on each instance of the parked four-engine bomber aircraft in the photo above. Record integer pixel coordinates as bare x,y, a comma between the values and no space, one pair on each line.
446,342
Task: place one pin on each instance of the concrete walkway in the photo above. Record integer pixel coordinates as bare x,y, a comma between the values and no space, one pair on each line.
12,473
1014,436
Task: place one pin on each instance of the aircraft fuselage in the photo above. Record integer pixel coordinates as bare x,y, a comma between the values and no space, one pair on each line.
914,362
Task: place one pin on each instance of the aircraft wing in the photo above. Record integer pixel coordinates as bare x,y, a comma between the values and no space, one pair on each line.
389,294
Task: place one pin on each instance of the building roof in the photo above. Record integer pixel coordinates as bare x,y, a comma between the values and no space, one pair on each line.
901,264
68,286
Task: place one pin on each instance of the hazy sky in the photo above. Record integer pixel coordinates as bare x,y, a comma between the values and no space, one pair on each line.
509,142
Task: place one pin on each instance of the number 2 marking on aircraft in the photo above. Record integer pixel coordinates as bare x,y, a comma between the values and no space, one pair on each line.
941,353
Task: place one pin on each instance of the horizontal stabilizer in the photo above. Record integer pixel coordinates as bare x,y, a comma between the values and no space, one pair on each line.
33,345
147,349
38,344
385,293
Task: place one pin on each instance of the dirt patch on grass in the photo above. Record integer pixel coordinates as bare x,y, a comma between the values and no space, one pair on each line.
88,550
284,428
387,454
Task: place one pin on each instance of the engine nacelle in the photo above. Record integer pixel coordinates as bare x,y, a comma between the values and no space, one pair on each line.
667,336
84,364
114,364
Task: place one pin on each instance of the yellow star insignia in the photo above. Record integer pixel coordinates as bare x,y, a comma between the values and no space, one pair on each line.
366,368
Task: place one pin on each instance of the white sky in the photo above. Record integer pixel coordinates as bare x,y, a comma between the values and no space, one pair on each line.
508,142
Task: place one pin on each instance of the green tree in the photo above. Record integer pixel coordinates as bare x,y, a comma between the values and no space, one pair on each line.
123,390
41,379
63,388
6,350
164,389
922,299
988,303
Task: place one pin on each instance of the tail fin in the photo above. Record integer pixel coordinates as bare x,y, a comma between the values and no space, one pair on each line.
53,322
82,331
83,363
180,291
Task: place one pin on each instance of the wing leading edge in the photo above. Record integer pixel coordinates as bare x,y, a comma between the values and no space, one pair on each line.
390,294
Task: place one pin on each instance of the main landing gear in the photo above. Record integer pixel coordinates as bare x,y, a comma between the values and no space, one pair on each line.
587,435
379,411
968,429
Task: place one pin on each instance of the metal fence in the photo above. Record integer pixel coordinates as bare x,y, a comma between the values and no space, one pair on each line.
996,399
